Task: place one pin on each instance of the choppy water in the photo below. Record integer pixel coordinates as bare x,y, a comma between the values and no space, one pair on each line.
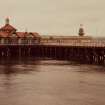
50,82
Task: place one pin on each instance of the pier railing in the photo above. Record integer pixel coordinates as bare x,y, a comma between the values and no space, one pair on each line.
90,43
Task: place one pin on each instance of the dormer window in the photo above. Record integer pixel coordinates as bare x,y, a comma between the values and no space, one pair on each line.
14,35
30,35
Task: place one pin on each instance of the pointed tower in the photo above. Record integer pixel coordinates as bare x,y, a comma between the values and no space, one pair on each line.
81,30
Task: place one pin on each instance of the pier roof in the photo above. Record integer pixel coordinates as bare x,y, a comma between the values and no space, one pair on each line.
4,34
8,30
25,34
7,27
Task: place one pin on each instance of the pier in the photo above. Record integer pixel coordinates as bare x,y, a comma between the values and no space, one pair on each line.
90,52
81,48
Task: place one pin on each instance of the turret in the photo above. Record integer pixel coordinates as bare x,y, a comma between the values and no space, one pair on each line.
81,30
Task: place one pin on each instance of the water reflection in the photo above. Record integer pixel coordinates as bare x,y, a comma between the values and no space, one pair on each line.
31,81
15,65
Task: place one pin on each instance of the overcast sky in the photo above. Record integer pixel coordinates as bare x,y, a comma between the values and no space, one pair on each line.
60,17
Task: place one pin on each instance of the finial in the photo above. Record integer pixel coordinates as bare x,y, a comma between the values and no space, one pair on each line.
26,30
81,25
7,20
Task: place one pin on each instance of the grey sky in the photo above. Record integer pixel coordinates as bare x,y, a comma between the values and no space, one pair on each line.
60,17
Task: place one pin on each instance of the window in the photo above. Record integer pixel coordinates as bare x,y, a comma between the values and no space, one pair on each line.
2,40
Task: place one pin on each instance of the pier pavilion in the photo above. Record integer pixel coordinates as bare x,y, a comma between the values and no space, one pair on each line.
10,35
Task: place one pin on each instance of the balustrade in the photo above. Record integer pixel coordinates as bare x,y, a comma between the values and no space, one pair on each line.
18,41
33,41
